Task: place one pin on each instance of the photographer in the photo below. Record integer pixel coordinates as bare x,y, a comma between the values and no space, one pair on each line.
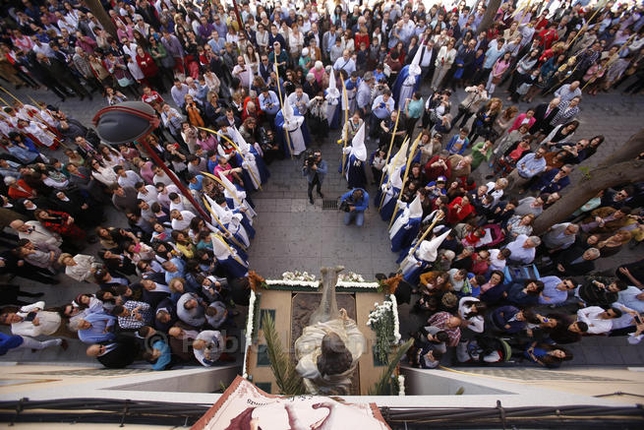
437,106
354,203
315,169
477,96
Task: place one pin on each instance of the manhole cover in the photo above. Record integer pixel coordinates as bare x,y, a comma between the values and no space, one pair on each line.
329,205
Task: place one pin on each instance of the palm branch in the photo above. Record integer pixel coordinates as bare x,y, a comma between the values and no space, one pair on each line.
287,379
384,385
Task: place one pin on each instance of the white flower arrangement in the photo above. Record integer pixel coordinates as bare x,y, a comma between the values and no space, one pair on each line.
394,309
358,284
401,385
293,283
298,276
350,277
251,318
250,326
384,321
308,280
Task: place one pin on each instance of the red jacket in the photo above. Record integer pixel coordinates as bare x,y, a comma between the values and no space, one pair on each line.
147,65
20,191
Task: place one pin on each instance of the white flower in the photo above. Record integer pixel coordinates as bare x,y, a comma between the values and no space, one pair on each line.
401,385
251,318
394,309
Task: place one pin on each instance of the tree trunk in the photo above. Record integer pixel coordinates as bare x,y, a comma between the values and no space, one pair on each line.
488,18
99,12
628,151
619,168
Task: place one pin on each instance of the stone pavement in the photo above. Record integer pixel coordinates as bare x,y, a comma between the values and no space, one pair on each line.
294,235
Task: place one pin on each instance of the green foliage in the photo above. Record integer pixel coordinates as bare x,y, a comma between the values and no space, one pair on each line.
286,377
381,320
585,173
387,385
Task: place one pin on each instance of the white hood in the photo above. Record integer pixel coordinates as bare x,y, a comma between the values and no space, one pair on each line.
358,148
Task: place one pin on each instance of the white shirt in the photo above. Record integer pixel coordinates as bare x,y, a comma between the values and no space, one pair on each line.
130,179
183,224
596,325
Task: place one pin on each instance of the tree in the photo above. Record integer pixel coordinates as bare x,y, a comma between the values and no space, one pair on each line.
98,11
619,168
490,14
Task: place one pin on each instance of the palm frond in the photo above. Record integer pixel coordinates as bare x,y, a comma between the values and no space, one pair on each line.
288,380
385,386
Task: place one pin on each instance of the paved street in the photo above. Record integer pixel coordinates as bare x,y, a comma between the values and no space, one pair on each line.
294,235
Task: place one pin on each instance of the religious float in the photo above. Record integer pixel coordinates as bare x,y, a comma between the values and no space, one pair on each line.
336,336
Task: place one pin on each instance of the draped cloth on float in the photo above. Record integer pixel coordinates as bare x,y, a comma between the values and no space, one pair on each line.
310,350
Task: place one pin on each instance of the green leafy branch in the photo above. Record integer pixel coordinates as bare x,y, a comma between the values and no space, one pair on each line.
286,377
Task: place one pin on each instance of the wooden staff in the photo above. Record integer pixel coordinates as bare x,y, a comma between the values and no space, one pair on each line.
279,96
382,195
229,140
46,124
232,252
223,227
50,133
410,158
391,144
345,137
9,93
439,216
585,27
223,184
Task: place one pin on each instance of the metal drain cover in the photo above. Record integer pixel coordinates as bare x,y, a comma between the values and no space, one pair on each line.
329,205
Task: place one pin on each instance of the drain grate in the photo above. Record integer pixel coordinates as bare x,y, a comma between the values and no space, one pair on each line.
329,205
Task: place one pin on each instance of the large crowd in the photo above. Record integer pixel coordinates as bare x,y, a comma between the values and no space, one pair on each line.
236,90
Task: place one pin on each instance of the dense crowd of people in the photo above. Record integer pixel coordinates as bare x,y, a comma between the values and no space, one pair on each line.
269,80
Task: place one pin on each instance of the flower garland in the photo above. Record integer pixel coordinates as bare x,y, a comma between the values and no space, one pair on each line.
308,280
394,309
251,318
250,326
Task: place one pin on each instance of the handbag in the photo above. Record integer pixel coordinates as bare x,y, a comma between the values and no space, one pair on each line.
458,74
496,80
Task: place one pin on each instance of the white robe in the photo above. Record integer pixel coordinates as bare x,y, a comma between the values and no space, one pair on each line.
294,129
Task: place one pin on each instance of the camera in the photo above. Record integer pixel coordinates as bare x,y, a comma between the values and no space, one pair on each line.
310,160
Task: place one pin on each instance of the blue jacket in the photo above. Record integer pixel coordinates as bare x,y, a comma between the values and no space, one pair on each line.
450,145
321,171
164,359
360,205
8,342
